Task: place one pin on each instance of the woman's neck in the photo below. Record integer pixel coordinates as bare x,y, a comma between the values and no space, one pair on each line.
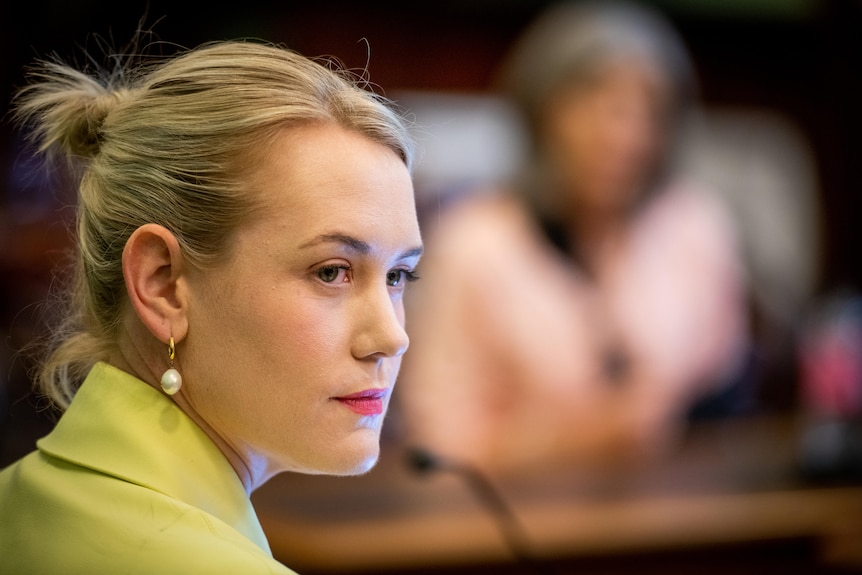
595,235
252,470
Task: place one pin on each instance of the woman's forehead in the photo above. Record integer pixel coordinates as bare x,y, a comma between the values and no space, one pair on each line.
319,159
323,179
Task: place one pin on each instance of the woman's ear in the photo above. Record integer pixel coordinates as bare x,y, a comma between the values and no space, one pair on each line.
153,268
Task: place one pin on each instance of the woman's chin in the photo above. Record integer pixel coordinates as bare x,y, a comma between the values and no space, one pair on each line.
363,466
356,462
363,458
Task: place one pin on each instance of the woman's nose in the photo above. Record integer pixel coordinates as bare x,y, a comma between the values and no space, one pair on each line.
381,326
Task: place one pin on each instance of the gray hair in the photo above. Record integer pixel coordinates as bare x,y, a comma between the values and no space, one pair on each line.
567,45
568,42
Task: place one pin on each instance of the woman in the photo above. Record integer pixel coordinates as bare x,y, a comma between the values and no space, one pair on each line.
246,228
576,318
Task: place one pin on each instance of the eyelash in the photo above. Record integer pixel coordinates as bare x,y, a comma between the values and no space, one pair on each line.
408,275
339,267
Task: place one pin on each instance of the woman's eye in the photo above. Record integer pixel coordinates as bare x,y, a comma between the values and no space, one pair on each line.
395,278
331,274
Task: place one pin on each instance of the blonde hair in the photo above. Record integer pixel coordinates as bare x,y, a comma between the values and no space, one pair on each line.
167,144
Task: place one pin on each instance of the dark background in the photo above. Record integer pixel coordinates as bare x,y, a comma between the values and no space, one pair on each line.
801,58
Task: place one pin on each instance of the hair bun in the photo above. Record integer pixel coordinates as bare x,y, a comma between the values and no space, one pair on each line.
85,136
67,109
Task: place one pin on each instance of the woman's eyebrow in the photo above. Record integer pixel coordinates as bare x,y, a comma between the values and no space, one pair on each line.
411,253
356,244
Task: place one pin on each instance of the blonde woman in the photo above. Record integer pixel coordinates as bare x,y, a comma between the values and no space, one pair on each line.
246,229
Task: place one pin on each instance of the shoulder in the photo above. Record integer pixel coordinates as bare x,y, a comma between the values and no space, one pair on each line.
483,233
97,524
689,216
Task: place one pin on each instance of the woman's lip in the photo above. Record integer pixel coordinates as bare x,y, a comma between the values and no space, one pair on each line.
367,402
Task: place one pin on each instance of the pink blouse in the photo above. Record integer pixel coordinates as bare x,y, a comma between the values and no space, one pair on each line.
509,339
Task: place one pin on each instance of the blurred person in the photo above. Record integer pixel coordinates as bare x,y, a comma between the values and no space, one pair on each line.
578,315
246,229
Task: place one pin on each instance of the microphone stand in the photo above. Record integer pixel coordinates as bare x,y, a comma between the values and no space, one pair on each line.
424,462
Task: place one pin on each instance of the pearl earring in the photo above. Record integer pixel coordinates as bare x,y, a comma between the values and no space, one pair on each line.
172,381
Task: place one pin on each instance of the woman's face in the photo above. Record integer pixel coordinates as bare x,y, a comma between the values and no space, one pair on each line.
295,341
604,136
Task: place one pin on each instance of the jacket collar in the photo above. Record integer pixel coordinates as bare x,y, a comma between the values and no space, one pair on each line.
121,426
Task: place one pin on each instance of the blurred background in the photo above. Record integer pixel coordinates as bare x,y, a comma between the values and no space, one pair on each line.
777,136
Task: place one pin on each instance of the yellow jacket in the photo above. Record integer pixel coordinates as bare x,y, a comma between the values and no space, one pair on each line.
127,483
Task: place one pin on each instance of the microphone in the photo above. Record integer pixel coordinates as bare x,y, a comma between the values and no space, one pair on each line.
425,462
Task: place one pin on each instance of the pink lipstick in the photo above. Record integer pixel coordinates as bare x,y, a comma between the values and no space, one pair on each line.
368,402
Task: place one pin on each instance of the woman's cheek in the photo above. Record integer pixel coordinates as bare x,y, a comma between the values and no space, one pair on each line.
308,326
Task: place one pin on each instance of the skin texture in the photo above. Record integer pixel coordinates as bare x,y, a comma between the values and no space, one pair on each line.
306,308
